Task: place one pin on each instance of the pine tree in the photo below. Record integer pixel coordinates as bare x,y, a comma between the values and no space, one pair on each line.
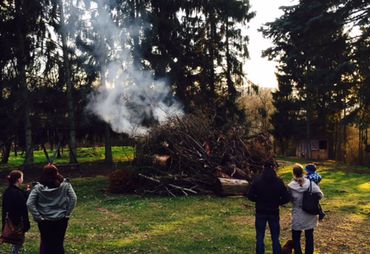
311,46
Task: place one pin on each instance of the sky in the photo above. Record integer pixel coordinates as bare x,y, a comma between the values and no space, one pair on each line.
259,70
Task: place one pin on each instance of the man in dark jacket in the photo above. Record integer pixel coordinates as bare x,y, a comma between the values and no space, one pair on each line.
268,192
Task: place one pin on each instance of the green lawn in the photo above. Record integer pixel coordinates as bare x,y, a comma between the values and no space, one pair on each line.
84,154
105,223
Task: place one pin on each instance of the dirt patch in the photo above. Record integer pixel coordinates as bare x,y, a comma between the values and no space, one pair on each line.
242,220
338,233
344,234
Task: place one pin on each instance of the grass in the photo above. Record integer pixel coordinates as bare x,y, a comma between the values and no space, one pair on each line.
106,223
85,154
345,188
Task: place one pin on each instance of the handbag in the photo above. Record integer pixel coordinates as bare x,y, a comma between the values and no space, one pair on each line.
12,233
310,201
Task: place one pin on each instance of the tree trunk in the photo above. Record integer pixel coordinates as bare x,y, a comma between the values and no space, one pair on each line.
135,12
339,142
72,143
308,134
211,58
360,146
367,161
6,152
108,145
21,65
59,155
15,148
230,86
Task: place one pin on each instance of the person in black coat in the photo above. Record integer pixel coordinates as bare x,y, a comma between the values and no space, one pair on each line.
14,205
268,192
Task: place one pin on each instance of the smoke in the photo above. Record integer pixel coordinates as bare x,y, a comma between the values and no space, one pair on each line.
127,98
133,101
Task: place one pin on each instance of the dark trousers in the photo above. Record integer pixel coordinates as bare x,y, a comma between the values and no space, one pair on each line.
296,235
52,236
274,225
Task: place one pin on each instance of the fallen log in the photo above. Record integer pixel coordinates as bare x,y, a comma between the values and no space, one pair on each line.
233,187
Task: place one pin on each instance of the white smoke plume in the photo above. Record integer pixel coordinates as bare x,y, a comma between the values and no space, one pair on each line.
127,96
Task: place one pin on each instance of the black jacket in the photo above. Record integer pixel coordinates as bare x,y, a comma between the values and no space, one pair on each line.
14,203
269,192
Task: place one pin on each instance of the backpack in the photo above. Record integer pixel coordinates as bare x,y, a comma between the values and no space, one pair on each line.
310,201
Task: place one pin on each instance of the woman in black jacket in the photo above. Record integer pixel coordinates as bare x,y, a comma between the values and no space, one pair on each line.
14,205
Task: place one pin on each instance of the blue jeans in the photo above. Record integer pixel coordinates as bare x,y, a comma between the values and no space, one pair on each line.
296,235
274,225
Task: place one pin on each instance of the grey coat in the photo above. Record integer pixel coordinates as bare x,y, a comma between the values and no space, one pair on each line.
46,203
300,219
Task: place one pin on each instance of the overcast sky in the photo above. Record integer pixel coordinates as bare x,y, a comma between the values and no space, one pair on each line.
259,70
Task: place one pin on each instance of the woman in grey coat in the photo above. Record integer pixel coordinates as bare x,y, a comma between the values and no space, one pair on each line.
302,221
51,203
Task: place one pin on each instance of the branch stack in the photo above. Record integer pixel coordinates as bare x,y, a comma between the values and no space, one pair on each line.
189,156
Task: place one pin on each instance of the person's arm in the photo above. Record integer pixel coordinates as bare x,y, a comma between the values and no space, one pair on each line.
318,178
285,194
252,194
31,204
72,200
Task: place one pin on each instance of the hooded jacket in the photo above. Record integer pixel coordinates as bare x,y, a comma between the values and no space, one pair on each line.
14,204
269,192
53,204
300,219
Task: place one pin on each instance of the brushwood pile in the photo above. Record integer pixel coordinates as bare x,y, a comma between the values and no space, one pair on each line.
190,155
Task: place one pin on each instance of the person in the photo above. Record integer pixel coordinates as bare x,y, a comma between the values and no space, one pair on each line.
302,221
51,202
14,206
312,175
268,192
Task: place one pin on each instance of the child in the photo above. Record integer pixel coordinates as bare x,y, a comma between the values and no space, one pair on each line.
312,175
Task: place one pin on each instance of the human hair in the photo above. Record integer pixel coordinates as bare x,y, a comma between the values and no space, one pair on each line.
13,176
310,168
298,173
270,164
50,176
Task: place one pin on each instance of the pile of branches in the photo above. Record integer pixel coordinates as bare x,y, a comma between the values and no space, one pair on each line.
189,155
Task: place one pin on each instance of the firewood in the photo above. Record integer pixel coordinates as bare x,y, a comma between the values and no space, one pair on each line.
189,154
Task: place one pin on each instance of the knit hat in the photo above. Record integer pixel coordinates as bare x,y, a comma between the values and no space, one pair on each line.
310,168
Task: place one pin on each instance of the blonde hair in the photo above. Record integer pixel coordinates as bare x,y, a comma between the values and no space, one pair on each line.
298,174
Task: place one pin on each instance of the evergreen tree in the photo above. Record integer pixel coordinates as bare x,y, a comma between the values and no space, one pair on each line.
311,46
22,30
199,46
